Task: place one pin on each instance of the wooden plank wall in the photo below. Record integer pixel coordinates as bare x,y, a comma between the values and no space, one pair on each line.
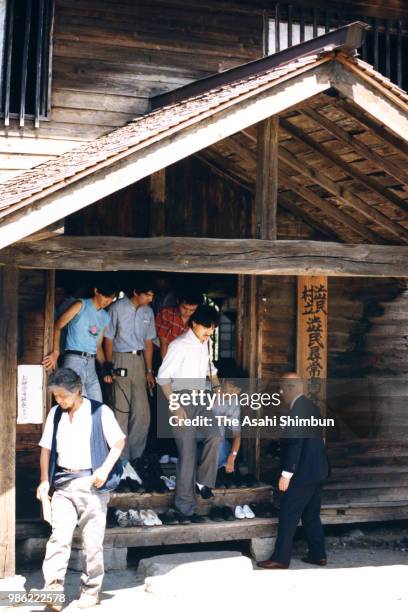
110,57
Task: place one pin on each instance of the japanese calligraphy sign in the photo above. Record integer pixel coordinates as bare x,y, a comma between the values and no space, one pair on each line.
312,331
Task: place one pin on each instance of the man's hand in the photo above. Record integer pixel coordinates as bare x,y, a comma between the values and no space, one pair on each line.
230,465
108,379
283,484
43,489
151,382
179,412
50,361
99,477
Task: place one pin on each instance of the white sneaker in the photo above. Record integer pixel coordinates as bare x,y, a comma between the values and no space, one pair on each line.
164,459
147,519
239,512
122,518
170,484
87,601
248,512
134,518
154,518
173,459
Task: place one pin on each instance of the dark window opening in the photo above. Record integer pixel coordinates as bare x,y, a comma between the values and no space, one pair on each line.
385,46
26,65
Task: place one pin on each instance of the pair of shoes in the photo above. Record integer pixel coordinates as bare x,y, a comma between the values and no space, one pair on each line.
220,480
149,518
269,564
244,512
123,486
249,481
264,509
134,519
170,482
219,514
122,518
169,517
183,519
149,470
205,492
86,600
320,562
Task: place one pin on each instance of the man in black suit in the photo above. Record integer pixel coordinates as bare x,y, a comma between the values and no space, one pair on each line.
304,466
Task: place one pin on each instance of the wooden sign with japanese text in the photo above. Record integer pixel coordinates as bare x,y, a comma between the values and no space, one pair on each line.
312,312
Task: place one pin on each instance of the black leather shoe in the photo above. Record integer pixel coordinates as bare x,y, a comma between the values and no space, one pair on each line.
220,482
123,486
216,514
320,562
227,513
183,519
197,518
205,492
169,517
133,485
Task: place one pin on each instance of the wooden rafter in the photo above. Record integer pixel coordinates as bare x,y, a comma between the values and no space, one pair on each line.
360,147
322,227
347,167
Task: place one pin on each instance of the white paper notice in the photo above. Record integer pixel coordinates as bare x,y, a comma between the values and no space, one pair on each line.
30,394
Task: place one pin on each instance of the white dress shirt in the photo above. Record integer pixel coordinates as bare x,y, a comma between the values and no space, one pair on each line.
73,438
187,363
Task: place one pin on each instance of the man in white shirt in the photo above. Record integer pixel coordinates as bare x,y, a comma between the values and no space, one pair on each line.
186,366
80,449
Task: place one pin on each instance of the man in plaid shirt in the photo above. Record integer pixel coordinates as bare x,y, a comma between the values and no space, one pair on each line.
174,321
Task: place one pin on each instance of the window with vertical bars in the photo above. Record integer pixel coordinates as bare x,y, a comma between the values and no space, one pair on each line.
385,46
25,82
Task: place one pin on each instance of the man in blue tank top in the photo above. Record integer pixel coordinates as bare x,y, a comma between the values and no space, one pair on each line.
85,321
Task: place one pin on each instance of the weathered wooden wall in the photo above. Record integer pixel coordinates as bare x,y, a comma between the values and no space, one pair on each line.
109,58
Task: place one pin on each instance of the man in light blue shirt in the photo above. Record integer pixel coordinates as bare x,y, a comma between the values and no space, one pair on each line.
129,346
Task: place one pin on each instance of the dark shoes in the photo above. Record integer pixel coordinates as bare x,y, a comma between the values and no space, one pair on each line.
219,514
320,562
205,492
272,565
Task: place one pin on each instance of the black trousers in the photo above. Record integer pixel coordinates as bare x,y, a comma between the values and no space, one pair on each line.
300,502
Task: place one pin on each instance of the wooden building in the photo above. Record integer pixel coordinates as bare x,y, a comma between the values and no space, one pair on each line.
168,139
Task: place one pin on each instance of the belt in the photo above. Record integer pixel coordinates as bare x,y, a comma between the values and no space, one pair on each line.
74,471
139,352
81,354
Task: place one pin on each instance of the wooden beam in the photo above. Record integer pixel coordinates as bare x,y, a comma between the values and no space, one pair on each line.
383,163
347,167
210,255
49,317
143,159
8,417
266,190
296,184
344,194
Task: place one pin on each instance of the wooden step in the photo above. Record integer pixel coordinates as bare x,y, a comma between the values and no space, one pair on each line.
160,502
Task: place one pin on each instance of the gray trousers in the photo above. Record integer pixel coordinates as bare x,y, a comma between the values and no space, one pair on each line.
132,410
85,368
188,472
76,502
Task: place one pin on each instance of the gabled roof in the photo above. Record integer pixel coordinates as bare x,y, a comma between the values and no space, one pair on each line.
50,191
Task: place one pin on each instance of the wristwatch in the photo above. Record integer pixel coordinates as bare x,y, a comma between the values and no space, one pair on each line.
150,371
234,453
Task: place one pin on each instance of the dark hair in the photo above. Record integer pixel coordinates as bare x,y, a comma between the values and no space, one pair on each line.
206,315
65,378
139,284
190,296
106,288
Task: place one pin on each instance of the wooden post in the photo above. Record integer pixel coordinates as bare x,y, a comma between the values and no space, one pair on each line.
312,334
266,192
8,406
49,311
157,189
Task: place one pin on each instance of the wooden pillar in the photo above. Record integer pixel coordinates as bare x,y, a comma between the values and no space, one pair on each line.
264,226
8,406
157,190
49,313
312,312
266,192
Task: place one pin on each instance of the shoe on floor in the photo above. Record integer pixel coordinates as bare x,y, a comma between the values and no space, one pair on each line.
249,514
169,482
134,518
164,459
320,562
173,459
87,601
227,513
239,512
122,518
123,486
169,517
183,519
216,514
272,565
197,518
154,518
205,492
220,480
